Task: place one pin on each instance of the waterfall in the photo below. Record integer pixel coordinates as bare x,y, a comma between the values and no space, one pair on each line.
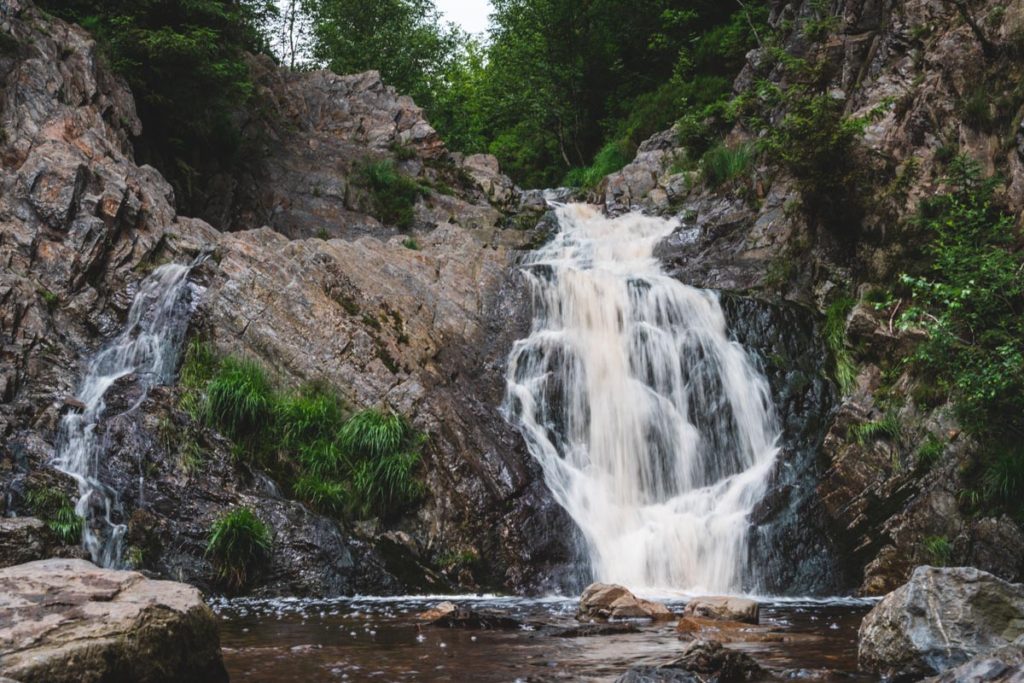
146,349
654,430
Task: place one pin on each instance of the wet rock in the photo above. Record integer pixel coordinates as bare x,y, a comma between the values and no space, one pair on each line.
701,661
724,607
442,609
1002,664
940,619
68,620
22,539
462,617
611,601
595,629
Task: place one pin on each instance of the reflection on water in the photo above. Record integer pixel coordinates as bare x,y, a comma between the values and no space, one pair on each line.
380,639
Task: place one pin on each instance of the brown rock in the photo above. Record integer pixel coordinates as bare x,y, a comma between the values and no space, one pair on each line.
724,607
611,601
69,621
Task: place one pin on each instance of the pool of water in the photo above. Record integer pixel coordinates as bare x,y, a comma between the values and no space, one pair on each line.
381,639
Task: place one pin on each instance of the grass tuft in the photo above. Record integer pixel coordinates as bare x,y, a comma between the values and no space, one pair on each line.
239,399
835,338
238,545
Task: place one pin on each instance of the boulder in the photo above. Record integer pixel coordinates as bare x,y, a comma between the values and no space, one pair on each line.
724,607
70,621
1002,664
22,539
611,601
940,619
701,660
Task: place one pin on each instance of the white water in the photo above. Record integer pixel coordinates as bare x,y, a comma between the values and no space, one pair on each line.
147,348
655,431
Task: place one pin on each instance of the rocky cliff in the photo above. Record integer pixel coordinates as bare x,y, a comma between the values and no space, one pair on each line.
910,69
306,281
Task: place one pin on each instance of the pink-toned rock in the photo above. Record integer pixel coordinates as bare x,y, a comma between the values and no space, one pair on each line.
611,601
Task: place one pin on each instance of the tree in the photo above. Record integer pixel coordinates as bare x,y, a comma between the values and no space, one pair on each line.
404,40
185,63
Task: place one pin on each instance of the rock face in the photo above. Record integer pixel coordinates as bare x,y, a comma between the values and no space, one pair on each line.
939,620
611,601
424,331
724,607
67,620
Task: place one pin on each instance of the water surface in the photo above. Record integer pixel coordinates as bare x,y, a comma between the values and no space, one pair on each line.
380,639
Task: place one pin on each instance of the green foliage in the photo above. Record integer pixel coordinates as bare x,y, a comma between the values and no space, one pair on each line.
328,496
817,143
1002,479
970,302
361,465
821,22
50,299
405,40
410,243
238,545
888,427
609,159
186,67
835,338
239,400
386,483
372,434
722,164
930,451
55,509
939,550
976,108
392,193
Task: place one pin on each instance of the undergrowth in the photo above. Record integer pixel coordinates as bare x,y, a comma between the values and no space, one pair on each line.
345,465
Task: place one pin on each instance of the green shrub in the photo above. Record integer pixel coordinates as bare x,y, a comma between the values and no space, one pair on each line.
817,143
393,194
239,400
835,338
238,545
55,509
722,164
410,243
609,159
970,301
939,550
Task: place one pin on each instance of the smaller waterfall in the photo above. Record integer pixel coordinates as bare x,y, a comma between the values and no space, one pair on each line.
655,431
148,349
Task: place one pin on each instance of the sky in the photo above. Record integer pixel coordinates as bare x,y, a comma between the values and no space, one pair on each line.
470,14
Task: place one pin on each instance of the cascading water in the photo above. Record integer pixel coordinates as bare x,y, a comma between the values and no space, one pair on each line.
655,432
147,348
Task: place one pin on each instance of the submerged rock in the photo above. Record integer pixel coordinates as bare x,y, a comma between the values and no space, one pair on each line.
940,619
702,660
68,620
724,607
611,601
597,629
